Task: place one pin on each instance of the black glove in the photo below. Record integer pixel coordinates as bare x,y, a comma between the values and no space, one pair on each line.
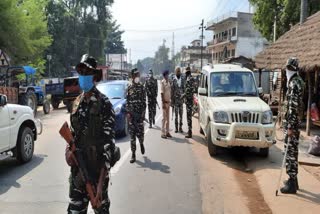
112,154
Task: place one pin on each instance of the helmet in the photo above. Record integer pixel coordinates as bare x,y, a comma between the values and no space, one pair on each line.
292,64
134,71
88,66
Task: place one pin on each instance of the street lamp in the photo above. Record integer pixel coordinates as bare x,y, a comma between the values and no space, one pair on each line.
49,57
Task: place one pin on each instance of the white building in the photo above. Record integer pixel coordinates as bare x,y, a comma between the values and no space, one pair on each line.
191,55
234,35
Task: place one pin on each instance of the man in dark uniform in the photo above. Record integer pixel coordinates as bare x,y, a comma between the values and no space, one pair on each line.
151,87
189,91
92,124
292,124
136,108
177,96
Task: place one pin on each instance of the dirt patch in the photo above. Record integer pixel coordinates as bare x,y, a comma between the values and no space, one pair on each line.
314,170
250,188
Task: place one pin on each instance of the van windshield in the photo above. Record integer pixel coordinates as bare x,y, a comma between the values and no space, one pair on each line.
232,84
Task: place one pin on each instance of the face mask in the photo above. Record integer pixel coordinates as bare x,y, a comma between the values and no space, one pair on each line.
289,75
136,80
86,82
150,75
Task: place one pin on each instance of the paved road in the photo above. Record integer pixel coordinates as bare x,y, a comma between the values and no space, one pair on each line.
164,180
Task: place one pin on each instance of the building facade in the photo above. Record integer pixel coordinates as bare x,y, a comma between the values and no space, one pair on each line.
191,55
234,35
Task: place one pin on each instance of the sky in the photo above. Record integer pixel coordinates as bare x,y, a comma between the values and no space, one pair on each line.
147,23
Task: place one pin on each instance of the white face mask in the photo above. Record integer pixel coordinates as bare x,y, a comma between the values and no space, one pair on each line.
136,80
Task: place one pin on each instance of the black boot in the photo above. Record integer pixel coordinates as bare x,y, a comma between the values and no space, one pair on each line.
176,131
154,121
180,129
296,182
289,187
189,134
150,126
142,148
133,157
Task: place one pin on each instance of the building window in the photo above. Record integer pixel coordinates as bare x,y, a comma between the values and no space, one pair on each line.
234,31
228,53
226,33
229,32
233,53
214,37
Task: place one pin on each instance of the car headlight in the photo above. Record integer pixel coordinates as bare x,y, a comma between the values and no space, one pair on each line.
117,109
220,117
267,117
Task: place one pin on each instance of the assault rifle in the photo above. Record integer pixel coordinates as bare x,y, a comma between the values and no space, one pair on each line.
94,190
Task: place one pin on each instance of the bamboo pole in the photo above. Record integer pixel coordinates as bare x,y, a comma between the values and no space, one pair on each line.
309,104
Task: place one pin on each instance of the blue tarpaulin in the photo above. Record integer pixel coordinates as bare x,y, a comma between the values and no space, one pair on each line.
29,70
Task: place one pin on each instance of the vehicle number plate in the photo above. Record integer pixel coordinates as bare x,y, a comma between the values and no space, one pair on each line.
247,135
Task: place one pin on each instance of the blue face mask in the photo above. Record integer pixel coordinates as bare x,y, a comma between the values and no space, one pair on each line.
86,82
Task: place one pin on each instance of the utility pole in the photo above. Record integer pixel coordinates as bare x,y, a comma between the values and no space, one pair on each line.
202,37
275,28
172,51
304,11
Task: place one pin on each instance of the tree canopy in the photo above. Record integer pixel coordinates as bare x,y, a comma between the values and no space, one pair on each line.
161,60
287,13
23,31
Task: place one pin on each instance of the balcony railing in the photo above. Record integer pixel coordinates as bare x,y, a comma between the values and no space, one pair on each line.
232,14
220,40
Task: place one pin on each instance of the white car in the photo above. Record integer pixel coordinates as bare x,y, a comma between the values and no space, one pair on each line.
231,112
18,131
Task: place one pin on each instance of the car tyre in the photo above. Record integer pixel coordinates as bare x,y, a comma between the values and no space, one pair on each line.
55,104
46,107
201,130
264,152
29,99
212,149
25,145
125,131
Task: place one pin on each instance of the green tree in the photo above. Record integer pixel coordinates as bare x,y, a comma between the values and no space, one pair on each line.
161,60
287,13
114,43
79,27
23,31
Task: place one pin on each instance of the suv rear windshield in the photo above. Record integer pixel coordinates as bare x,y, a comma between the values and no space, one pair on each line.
232,84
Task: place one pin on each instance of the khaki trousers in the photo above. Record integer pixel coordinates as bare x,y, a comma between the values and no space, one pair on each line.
166,118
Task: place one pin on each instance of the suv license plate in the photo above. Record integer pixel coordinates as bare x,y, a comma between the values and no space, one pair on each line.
246,135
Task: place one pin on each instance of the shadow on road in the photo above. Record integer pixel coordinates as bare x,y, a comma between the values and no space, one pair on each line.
11,171
153,165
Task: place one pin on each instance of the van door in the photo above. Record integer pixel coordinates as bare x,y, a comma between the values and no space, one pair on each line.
4,128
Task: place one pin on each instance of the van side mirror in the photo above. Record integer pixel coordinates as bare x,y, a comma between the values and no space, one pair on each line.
3,100
202,92
260,90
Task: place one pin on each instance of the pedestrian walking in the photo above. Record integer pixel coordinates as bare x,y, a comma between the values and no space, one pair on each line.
151,87
166,102
177,97
136,108
92,124
292,124
189,91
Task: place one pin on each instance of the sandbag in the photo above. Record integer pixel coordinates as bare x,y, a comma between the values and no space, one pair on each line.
314,148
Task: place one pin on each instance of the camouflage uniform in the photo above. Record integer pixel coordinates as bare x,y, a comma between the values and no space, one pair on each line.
292,121
136,107
151,87
177,95
189,91
92,123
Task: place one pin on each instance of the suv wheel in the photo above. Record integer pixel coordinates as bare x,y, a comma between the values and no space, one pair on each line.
264,152
46,106
25,145
212,149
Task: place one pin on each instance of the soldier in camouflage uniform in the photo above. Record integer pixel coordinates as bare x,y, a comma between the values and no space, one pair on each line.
189,91
177,96
292,124
151,87
92,124
136,108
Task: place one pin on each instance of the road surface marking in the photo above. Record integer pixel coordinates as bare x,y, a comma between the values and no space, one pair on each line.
124,158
